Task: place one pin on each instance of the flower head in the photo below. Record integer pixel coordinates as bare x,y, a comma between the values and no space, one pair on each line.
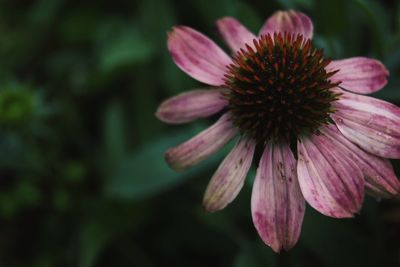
280,89
323,141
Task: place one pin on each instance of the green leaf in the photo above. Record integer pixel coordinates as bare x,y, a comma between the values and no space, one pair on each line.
124,48
146,173
114,133
93,238
238,9
107,221
377,19
338,242
248,15
144,104
330,19
156,29
331,46
294,4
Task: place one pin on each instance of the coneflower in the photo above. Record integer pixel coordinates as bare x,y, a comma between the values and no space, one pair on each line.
323,141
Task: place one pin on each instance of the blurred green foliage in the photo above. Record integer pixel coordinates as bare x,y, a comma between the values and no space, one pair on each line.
82,174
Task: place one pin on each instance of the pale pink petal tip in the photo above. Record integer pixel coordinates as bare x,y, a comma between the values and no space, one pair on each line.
371,123
380,179
277,204
383,186
191,105
202,145
330,181
234,33
289,21
228,180
197,55
360,75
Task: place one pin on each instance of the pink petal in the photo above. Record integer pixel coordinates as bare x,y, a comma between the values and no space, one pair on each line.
202,145
376,192
382,185
197,55
234,33
330,181
277,205
372,124
229,177
380,178
289,21
191,105
359,74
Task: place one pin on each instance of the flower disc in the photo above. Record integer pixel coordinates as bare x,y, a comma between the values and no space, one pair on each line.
279,89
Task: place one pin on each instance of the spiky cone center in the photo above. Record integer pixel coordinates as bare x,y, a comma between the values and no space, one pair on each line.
279,89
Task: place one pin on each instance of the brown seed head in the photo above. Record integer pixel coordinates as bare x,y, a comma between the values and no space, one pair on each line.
279,88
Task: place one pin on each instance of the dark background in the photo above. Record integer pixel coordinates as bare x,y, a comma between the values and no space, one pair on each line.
82,176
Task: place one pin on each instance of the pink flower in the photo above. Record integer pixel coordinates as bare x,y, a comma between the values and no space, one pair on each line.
323,140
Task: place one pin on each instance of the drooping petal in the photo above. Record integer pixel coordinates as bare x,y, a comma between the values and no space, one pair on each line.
330,182
371,123
191,105
277,205
359,74
385,184
202,145
228,180
376,192
379,175
289,21
197,55
234,33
